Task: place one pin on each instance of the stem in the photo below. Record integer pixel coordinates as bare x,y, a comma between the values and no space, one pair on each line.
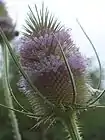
97,56
72,127
7,94
69,72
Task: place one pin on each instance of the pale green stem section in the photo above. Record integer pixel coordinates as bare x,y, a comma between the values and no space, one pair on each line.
8,98
72,127
97,56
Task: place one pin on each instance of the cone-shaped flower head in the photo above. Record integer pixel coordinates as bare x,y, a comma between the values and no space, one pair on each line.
6,22
42,60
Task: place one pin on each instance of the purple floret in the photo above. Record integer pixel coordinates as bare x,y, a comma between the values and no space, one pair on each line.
37,52
42,59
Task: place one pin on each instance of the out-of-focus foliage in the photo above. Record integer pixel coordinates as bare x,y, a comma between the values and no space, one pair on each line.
94,76
92,122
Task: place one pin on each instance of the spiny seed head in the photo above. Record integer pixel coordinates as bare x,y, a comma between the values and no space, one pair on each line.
42,60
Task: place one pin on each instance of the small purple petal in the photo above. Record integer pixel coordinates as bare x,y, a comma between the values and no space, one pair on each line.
77,62
42,60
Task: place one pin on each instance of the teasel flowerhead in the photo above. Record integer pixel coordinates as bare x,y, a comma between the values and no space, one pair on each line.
6,23
42,59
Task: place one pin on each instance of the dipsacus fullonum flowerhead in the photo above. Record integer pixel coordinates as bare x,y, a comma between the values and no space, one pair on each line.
42,60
